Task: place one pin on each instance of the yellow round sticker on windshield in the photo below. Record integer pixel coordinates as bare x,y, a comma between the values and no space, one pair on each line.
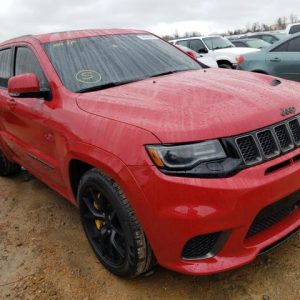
88,76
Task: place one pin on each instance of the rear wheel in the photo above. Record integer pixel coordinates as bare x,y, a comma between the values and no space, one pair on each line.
7,167
111,226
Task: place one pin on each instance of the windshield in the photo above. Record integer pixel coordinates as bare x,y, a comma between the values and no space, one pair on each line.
105,61
217,42
257,43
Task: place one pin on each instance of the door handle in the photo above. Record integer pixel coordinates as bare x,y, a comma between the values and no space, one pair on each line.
275,59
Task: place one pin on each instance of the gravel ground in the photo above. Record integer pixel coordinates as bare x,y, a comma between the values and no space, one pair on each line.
44,255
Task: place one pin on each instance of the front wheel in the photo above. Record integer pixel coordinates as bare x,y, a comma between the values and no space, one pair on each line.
7,167
111,226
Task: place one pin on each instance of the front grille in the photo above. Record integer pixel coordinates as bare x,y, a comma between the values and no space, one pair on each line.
284,138
274,213
295,129
200,246
269,142
248,149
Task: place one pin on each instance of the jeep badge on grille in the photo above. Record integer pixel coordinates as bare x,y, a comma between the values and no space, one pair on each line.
288,111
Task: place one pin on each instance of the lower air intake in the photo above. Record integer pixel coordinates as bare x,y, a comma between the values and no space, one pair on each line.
200,246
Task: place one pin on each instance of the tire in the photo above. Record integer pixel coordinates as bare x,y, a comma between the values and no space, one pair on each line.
225,66
7,167
111,226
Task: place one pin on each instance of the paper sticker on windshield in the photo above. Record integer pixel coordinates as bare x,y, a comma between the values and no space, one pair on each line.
88,76
147,37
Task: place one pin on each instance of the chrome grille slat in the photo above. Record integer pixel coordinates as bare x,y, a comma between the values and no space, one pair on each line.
269,142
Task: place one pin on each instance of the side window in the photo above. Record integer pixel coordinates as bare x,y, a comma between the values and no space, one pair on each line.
183,43
240,44
26,62
269,39
197,46
294,29
5,63
282,48
294,45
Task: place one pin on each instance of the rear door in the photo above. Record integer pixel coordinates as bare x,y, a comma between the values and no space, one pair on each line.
284,60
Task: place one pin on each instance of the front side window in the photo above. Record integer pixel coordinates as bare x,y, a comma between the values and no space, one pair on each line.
282,48
100,62
217,42
294,45
26,62
197,46
5,65
295,29
184,43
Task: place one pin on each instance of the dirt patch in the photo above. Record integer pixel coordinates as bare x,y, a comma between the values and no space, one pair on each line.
45,255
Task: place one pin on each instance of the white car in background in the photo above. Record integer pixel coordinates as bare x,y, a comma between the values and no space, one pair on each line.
218,48
206,60
293,28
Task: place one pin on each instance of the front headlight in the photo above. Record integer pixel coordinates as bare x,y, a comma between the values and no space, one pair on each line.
185,157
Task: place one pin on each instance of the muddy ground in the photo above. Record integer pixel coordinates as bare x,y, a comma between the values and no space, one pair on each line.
44,255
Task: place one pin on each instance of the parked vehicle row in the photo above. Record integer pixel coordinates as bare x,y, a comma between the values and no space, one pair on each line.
218,48
195,169
251,43
282,59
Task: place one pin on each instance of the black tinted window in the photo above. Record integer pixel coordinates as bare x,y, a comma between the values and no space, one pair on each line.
239,44
197,45
294,45
5,63
282,48
106,61
295,29
26,62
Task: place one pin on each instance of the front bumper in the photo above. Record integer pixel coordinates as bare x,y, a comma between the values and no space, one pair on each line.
180,209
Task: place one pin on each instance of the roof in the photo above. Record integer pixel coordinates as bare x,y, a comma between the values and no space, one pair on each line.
244,39
195,38
67,35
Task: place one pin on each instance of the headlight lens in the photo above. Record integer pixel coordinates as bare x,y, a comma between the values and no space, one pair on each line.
183,157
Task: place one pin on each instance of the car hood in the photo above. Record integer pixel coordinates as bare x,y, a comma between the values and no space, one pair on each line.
237,50
196,105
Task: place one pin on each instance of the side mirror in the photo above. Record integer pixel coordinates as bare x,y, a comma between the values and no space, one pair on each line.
26,86
203,50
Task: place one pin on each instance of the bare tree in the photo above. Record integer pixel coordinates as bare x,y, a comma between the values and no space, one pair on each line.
293,18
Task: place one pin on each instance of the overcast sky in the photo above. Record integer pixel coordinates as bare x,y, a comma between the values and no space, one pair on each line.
18,17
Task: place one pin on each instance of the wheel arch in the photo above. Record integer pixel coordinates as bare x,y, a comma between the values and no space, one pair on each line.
224,61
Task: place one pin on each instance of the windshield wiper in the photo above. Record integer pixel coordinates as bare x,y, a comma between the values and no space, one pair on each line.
167,73
104,86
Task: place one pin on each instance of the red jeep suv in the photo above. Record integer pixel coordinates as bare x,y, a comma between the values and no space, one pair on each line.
196,169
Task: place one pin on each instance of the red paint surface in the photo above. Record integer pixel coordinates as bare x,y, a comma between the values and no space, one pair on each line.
108,130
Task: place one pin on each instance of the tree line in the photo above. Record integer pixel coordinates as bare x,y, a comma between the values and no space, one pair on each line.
280,24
